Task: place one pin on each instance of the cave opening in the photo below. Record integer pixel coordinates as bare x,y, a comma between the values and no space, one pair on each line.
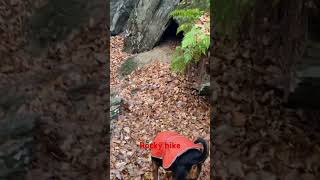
170,34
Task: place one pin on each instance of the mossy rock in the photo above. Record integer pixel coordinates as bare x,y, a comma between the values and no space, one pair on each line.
128,66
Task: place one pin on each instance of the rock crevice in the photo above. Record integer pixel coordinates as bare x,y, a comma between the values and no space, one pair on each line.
147,23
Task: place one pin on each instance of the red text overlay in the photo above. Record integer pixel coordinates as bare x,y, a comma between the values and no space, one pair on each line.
153,145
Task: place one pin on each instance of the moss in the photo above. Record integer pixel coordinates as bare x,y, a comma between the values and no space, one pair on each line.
128,67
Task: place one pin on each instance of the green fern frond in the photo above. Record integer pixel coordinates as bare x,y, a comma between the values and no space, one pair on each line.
184,27
191,13
195,43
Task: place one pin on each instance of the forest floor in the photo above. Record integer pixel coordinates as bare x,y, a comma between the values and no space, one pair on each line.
155,99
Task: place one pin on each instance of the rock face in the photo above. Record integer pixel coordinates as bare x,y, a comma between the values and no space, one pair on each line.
115,104
120,11
162,53
146,24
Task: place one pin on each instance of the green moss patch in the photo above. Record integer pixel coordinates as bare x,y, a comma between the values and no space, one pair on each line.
128,66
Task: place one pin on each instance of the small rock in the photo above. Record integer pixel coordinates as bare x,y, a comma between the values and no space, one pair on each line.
205,89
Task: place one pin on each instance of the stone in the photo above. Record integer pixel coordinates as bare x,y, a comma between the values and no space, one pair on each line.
119,14
115,104
147,23
161,53
128,66
205,89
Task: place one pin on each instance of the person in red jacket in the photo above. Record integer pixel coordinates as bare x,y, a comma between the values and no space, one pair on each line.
177,153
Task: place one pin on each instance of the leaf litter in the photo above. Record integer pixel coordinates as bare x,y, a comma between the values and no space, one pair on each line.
155,99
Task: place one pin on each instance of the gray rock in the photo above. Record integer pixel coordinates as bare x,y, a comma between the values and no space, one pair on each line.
205,89
146,24
160,53
115,104
128,66
120,11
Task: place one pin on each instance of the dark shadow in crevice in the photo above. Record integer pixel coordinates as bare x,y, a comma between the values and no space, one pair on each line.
170,34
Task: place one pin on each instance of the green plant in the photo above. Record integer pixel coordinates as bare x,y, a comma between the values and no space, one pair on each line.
186,18
128,66
194,45
196,40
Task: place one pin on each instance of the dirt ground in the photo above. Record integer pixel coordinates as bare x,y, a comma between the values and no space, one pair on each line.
156,99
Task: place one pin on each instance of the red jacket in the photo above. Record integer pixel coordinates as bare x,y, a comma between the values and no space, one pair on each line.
170,145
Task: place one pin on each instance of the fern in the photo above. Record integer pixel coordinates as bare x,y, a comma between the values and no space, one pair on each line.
186,18
187,13
196,42
194,45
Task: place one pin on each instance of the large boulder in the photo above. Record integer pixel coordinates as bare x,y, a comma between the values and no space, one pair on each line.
120,11
146,24
162,53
